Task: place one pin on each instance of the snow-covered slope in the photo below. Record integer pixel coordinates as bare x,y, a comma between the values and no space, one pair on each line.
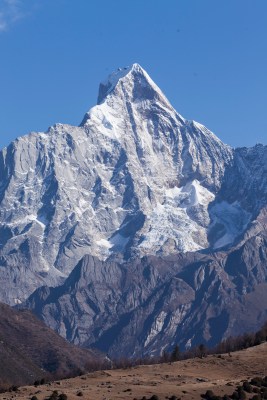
135,178
241,199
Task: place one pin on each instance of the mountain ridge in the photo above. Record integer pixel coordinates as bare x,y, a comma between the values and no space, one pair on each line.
31,351
145,306
135,181
132,166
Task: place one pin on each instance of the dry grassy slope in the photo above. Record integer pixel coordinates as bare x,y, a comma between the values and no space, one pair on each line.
185,379
29,349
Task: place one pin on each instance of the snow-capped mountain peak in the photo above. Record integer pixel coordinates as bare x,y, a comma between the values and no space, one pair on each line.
132,82
134,179
123,88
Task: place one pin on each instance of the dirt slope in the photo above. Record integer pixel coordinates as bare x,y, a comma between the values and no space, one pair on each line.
185,379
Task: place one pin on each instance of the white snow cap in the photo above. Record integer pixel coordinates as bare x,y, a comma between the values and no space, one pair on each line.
115,76
133,72
107,85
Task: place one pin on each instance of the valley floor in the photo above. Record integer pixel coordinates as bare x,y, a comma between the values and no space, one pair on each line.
185,379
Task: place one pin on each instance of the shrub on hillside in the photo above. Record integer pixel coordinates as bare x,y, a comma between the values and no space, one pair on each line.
257,381
54,395
175,355
247,387
256,397
208,395
62,396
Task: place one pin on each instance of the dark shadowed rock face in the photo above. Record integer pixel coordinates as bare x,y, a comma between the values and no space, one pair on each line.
239,205
30,351
142,307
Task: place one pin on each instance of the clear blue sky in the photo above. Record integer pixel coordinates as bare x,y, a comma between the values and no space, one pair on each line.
208,56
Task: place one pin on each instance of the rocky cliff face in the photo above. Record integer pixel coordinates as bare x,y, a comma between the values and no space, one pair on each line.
239,204
169,224
145,306
135,178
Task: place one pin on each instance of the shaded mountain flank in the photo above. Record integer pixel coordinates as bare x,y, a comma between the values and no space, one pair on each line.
31,351
145,306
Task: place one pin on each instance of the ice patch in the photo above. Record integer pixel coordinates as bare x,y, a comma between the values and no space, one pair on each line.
119,242
114,78
104,243
228,222
170,223
42,221
108,126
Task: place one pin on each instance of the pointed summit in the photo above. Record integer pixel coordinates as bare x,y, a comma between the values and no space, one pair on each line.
123,88
108,85
132,82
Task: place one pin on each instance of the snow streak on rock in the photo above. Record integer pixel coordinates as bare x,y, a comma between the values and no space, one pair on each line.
134,179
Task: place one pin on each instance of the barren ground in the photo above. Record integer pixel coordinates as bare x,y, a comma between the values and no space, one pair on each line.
184,379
